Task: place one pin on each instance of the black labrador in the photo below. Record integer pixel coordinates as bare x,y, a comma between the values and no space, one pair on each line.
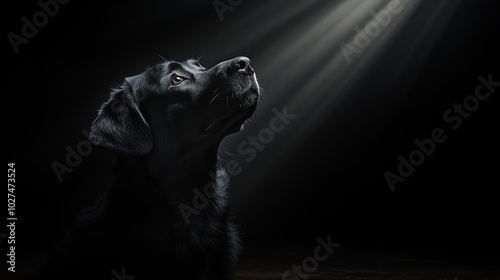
165,216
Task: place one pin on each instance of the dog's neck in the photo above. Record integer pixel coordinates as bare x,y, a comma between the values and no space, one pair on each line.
161,180
166,166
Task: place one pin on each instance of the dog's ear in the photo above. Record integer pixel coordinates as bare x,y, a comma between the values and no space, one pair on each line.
120,125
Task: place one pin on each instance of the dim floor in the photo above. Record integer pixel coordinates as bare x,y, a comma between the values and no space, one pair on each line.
272,263
361,265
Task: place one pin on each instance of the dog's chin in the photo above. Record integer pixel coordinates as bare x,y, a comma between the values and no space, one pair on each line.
220,128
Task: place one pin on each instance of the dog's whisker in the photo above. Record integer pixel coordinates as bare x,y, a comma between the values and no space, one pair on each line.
215,97
231,155
161,57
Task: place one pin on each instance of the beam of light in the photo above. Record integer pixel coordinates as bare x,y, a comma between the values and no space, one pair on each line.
306,62
267,19
308,41
336,76
303,67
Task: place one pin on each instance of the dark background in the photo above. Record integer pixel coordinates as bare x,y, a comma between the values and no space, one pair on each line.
320,176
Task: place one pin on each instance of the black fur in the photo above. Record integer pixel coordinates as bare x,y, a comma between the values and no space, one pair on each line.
165,125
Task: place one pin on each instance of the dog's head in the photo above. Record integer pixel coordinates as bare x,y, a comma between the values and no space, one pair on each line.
177,105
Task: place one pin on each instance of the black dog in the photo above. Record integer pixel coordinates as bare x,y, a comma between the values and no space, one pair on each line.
165,125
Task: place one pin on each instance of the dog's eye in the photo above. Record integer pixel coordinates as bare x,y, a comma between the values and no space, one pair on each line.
176,80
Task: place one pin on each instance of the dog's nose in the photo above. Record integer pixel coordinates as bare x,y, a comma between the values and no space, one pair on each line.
242,64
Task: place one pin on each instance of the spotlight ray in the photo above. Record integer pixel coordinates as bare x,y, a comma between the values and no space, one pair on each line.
312,71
